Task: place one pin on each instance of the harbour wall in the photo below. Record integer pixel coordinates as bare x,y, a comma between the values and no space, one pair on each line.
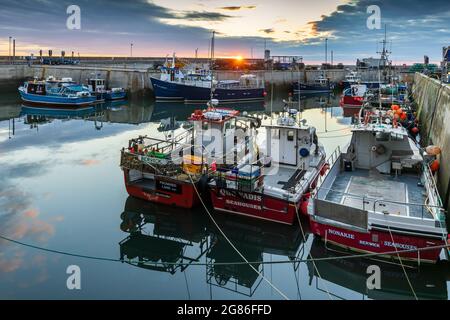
136,80
433,101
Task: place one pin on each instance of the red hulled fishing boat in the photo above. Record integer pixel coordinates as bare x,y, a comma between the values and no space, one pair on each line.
275,185
380,195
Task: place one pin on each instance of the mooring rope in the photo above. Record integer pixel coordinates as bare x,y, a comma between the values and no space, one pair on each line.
310,255
231,243
401,263
324,259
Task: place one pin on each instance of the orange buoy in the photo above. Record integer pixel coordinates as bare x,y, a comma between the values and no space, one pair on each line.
403,116
433,150
415,130
395,107
434,166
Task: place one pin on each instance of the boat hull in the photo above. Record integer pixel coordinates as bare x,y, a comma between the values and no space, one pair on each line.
255,205
109,96
380,242
166,91
369,84
185,195
309,88
193,94
57,101
354,102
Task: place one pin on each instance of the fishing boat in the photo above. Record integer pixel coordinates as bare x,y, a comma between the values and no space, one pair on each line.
154,170
200,86
353,97
56,93
97,87
321,84
387,95
174,171
380,196
166,87
354,78
276,186
247,89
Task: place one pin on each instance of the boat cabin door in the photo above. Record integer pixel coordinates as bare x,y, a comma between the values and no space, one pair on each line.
288,147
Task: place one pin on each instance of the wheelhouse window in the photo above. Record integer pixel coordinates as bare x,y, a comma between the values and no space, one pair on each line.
290,135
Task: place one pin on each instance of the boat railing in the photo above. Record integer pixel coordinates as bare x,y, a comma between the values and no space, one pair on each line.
376,205
331,162
432,192
424,208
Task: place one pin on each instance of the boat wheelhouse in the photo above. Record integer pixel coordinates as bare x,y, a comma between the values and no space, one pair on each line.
277,185
354,78
380,196
97,86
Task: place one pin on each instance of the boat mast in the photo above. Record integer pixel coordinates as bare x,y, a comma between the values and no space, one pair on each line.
212,65
384,52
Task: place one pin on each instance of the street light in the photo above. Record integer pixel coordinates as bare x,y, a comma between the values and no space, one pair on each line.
131,50
9,50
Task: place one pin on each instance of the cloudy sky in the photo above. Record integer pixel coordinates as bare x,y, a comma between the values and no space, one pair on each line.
288,27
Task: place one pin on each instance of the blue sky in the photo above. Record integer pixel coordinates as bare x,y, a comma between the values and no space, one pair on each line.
159,27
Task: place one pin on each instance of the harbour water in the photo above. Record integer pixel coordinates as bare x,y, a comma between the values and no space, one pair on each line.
61,189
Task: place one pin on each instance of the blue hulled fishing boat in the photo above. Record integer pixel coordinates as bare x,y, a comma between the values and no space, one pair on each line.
246,89
199,86
97,86
57,93
321,84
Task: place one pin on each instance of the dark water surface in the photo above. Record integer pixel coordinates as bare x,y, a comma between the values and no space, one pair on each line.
61,188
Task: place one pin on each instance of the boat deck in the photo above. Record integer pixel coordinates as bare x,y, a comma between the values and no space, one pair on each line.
369,190
284,178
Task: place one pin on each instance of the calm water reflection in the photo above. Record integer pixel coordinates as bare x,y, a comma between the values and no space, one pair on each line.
61,188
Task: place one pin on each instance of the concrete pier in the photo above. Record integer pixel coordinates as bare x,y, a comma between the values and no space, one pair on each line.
433,99
136,80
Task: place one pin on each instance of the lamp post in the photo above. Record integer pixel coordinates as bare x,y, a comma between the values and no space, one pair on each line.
131,50
14,51
9,50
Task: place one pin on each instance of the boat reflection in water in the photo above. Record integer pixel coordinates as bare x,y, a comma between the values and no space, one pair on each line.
253,239
428,281
35,116
162,238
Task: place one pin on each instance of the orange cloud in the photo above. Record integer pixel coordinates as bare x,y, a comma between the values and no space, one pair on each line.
90,162
10,265
31,213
